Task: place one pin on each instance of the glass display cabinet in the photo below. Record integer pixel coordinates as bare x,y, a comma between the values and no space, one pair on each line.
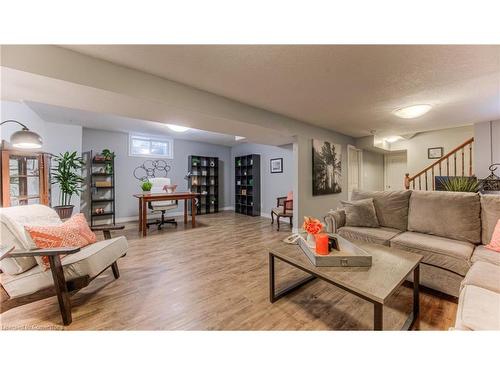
25,178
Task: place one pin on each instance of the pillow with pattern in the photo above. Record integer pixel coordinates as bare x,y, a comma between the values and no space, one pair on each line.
75,232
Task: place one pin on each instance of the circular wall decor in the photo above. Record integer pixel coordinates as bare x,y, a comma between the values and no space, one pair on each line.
151,169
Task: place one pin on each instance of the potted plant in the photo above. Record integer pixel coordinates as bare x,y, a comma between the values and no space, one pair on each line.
108,157
67,175
146,186
461,183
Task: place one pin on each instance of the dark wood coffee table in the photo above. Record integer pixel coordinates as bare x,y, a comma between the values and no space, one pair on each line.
375,284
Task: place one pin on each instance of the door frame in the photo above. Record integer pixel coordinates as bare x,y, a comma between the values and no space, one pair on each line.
360,168
386,156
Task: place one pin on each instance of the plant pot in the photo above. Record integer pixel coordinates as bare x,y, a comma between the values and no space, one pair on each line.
64,212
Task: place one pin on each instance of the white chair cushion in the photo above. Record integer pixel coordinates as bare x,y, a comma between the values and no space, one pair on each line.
478,309
90,260
158,185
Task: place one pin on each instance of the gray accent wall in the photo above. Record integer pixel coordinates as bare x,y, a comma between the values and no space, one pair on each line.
127,185
273,185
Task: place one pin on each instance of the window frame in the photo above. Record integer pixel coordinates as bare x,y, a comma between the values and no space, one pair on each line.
151,138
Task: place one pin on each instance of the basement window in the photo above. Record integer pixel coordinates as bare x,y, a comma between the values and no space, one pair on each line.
151,146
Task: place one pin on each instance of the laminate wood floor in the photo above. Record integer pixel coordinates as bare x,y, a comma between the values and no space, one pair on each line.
215,277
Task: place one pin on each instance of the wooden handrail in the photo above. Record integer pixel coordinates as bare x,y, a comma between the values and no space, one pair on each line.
409,179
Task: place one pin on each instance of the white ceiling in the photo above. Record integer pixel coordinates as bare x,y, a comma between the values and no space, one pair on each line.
350,89
62,115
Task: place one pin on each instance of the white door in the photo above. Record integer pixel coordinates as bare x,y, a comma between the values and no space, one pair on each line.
354,169
395,169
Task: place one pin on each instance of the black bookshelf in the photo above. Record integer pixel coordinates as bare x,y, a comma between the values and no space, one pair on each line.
102,197
247,184
204,180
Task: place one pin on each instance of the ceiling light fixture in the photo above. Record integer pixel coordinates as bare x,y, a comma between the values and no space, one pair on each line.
177,128
238,138
412,111
392,138
24,138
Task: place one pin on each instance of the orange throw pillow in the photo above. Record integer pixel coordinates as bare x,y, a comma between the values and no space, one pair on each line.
495,239
289,196
73,232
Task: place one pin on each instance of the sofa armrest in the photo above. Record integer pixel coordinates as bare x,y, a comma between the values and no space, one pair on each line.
5,251
106,229
334,220
45,252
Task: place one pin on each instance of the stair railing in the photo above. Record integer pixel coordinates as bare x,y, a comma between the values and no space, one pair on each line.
446,163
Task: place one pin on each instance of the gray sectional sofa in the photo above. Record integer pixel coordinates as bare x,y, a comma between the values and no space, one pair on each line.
448,229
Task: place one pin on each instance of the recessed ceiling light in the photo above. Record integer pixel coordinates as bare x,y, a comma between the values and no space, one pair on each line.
177,128
238,137
412,111
393,138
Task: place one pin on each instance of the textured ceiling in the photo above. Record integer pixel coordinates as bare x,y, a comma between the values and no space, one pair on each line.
51,113
351,89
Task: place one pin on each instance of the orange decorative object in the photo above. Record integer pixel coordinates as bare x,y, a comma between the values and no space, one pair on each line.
312,225
322,244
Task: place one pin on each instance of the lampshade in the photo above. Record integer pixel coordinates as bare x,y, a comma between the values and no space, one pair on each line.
26,139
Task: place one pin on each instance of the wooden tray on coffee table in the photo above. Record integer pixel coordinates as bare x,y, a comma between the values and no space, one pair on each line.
346,254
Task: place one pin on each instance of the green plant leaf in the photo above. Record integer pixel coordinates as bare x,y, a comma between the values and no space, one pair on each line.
461,183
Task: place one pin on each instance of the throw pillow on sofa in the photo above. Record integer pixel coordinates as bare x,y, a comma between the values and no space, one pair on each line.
391,206
495,239
75,232
360,213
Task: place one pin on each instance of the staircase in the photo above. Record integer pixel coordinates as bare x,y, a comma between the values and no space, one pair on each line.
457,162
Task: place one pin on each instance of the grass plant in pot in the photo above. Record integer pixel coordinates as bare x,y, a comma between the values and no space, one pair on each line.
67,174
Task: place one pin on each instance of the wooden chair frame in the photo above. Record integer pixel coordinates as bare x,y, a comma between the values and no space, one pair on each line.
61,288
287,206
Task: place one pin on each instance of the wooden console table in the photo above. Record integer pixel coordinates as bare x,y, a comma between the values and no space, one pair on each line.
150,197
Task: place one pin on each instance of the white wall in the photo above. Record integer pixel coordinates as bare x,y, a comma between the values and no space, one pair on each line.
57,138
373,171
127,185
417,146
484,153
273,185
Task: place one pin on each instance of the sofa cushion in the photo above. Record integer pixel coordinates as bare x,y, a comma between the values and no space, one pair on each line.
90,260
484,275
483,254
12,220
14,266
379,235
478,309
360,213
438,251
391,206
447,214
490,214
